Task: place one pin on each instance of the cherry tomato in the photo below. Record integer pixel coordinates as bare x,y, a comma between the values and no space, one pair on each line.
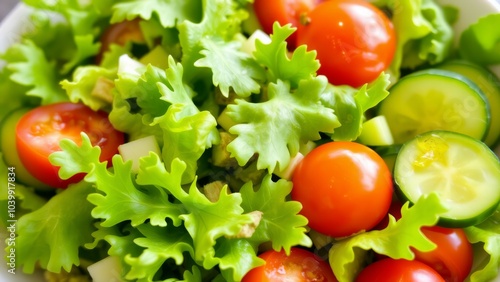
301,266
452,257
344,188
40,130
120,34
390,270
354,40
283,12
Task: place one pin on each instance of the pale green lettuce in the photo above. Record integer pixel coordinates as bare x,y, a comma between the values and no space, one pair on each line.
347,256
480,42
424,37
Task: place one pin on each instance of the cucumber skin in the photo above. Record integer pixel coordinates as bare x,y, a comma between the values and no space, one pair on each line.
446,222
448,74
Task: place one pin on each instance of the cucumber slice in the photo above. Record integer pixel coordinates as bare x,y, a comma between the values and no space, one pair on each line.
8,148
376,132
435,99
489,84
463,171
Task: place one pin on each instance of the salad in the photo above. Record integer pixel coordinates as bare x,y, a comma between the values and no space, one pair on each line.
232,140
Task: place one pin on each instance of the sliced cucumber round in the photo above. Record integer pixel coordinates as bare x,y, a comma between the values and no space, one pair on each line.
463,171
489,85
8,148
435,99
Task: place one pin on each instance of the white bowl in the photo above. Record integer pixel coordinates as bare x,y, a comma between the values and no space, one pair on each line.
17,21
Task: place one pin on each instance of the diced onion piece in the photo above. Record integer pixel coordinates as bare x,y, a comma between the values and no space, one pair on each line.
137,149
248,45
106,270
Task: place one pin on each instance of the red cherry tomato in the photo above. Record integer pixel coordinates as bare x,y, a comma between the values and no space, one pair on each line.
120,34
390,270
284,12
452,257
344,188
301,266
40,130
354,40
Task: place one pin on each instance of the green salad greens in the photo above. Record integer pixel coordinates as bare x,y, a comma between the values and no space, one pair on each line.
158,221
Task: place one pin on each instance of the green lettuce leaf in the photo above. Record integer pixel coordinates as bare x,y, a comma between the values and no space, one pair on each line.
302,65
169,13
423,34
281,223
347,256
83,82
220,23
81,19
480,42
235,257
487,235
160,244
29,67
230,67
47,236
200,216
187,132
350,105
26,198
288,119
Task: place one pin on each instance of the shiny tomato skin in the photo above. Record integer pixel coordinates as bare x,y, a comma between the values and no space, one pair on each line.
120,34
354,40
284,12
391,270
452,258
344,188
453,255
301,266
40,130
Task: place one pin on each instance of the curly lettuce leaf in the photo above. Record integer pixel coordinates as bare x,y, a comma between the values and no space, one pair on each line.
274,56
486,234
284,122
118,199
29,67
350,105
135,90
220,25
231,67
26,198
84,79
81,19
186,138
346,256
187,131
423,34
201,217
169,13
480,42
235,257
160,244
281,223
46,236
